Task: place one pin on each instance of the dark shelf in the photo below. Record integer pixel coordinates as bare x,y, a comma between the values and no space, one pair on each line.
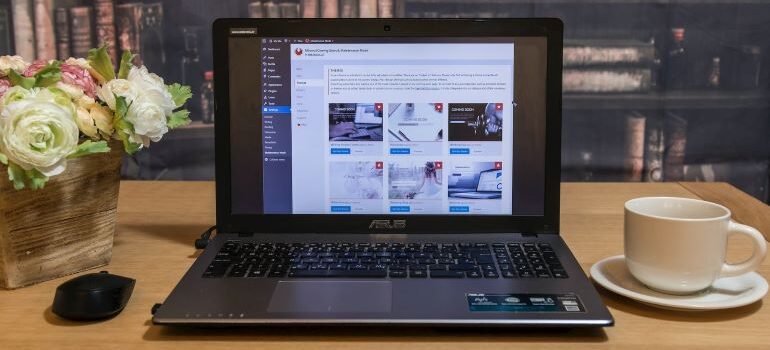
669,100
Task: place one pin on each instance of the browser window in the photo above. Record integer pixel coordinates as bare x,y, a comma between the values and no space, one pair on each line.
393,126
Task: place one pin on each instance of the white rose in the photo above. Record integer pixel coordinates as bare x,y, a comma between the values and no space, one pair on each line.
36,133
16,63
152,87
148,119
16,93
119,87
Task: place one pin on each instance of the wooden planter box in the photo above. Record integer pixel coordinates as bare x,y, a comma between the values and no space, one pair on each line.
64,228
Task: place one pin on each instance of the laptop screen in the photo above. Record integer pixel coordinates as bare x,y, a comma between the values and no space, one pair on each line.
392,126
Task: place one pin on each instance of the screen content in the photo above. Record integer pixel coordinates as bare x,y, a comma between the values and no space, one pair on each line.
400,126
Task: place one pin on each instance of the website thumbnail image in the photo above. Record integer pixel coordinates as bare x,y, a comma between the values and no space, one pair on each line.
416,128
475,128
415,187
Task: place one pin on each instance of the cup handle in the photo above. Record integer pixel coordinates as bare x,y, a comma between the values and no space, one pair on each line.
757,255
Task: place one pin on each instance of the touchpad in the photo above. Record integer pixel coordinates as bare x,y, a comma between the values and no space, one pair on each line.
331,296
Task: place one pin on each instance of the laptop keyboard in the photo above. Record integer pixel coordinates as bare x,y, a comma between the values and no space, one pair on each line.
238,259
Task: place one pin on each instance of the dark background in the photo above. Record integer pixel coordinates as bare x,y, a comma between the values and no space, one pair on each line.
727,129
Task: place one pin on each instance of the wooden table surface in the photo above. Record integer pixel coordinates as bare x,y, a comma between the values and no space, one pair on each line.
158,222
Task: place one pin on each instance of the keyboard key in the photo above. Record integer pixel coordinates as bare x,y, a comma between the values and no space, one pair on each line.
446,274
437,267
462,267
491,274
339,273
338,267
397,274
418,273
543,274
508,274
279,273
526,273
473,274
559,273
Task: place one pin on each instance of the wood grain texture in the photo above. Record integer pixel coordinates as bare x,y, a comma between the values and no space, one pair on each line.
745,208
158,222
64,228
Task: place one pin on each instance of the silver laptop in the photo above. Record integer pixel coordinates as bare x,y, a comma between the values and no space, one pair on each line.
317,225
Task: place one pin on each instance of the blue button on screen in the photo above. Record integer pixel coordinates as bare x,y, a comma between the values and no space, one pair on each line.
459,151
341,208
400,151
399,209
340,150
459,209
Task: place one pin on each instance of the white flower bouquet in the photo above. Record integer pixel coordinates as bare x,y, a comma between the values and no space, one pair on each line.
58,110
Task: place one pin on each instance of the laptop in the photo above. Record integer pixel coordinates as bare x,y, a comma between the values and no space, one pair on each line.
489,185
308,232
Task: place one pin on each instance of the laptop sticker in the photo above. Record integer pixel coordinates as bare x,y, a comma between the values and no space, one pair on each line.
478,302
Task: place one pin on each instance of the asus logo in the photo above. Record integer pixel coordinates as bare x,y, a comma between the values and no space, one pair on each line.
388,224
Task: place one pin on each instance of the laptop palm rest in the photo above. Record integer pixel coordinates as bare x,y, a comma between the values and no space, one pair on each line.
331,297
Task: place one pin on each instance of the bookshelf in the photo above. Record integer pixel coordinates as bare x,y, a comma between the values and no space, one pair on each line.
668,100
699,133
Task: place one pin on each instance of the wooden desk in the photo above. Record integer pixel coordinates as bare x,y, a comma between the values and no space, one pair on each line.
158,222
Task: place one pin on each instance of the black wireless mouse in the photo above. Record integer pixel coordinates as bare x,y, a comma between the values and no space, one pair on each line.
93,296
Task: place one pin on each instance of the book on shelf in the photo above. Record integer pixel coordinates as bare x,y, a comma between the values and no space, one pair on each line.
128,17
45,42
330,8
81,31
62,30
255,9
151,40
289,9
348,9
607,52
367,8
654,148
675,128
271,9
607,79
385,8
104,11
309,8
6,34
23,30
634,146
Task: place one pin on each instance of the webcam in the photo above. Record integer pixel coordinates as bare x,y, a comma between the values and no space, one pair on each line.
386,28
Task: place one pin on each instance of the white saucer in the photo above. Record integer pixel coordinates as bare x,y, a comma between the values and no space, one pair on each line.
729,292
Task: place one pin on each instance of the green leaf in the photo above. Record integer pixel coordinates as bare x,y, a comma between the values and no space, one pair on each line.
125,64
179,118
124,128
121,107
48,75
3,159
179,93
36,179
16,175
90,147
17,80
100,61
21,178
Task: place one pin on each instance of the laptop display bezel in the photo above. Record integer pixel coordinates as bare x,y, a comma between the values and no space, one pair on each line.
551,29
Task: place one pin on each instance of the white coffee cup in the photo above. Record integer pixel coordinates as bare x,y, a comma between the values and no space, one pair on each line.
678,245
